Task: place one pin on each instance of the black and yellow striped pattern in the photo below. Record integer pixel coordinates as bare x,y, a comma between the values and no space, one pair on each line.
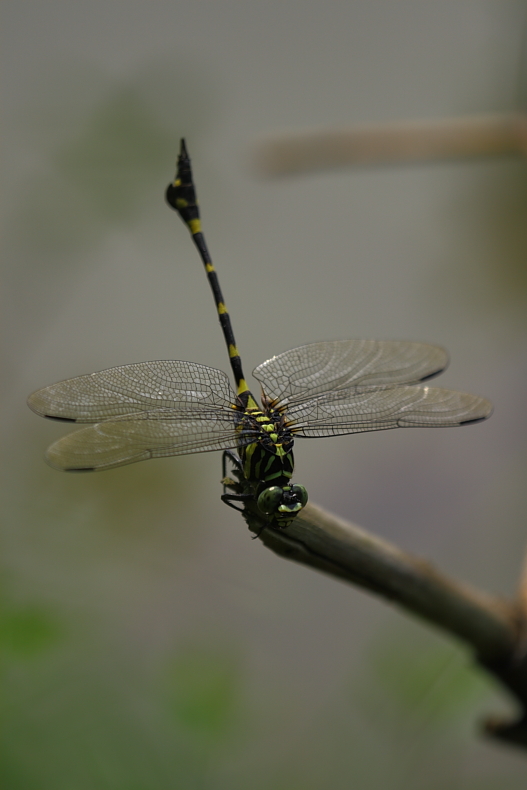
265,443
271,458
181,196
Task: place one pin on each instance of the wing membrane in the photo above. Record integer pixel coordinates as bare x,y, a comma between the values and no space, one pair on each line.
311,370
377,409
185,387
157,434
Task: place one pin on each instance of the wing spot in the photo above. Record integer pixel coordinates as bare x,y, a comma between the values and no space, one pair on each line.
474,420
431,375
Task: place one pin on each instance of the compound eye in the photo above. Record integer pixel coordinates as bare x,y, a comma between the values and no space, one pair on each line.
301,493
270,499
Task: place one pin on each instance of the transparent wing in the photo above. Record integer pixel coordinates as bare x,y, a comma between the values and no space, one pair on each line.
380,408
185,387
150,434
311,370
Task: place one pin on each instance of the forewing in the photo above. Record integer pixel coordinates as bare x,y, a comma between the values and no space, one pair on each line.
310,370
184,387
156,434
377,409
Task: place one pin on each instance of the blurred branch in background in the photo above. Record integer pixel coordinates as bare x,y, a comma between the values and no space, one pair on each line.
492,628
393,143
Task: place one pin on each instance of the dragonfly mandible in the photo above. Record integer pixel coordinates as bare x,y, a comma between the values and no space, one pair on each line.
167,408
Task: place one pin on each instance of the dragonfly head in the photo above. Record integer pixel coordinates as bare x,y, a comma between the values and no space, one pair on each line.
282,503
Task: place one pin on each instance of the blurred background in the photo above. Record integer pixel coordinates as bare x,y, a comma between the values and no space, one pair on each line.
146,642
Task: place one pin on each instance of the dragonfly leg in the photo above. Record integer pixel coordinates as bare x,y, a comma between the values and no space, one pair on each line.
230,498
228,482
233,458
260,531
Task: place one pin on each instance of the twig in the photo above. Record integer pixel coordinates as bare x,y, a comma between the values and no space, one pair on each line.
488,625
396,142
328,543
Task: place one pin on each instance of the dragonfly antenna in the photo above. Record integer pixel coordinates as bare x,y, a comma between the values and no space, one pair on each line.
181,196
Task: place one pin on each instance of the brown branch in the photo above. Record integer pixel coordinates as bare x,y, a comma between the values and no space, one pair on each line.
396,142
488,625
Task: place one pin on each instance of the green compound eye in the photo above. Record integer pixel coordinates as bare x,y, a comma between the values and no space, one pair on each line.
301,493
270,499
276,500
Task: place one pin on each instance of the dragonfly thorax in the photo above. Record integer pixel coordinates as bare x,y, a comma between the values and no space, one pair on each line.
265,447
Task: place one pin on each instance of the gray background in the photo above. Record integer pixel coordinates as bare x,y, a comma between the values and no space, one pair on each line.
147,642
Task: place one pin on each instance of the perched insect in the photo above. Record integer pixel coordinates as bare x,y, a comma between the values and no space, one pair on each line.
156,409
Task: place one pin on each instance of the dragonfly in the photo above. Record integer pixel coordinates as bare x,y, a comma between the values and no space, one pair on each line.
168,408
